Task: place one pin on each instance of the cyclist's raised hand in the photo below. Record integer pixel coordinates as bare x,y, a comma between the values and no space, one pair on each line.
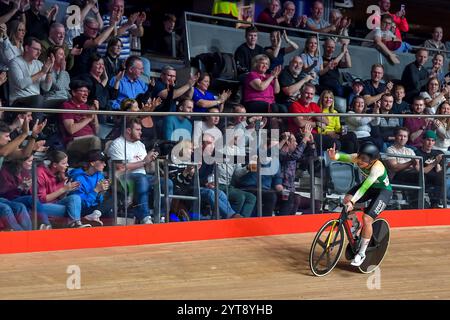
332,152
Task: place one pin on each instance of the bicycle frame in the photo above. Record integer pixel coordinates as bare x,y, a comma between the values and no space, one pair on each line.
343,220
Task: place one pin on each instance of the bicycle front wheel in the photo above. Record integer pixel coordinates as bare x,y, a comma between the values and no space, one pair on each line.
326,248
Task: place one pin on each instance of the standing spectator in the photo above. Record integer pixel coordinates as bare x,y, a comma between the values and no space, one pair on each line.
179,127
203,99
399,19
162,39
37,24
93,186
246,51
275,52
137,159
80,130
375,88
316,22
417,126
260,88
436,41
113,63
54,189
432,167
384,40
312,62
89,41
59,91
442,127
270,15
434,96
11,10
415,75
331,78
11,43
126,27
130,86
28,76
291,82
342,24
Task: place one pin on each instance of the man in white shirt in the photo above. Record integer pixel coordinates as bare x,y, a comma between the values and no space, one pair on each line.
130,149
29,77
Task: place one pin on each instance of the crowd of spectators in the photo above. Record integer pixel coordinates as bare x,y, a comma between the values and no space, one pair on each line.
95,67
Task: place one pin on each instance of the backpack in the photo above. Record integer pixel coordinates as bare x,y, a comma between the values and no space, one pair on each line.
219,65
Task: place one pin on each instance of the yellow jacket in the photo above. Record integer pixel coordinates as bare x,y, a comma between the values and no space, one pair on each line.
221,7
334,123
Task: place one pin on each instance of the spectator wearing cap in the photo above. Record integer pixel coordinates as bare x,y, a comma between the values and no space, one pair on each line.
79,130
93,186
357,89
432,167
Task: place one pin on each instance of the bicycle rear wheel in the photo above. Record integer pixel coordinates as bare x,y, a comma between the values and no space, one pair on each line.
378,246
326,248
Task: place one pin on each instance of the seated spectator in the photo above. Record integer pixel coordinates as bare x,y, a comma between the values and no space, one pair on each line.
16,187
330,78
28,75
417,126
400,106
432,167
59,91
56,38
203,99
436,40
127,27
442,127
316,22
137,159
92,187
403,170
312,62
54,189
87,8
37,24
289,18
11,42
245,52
163,38
89,41
342,24
361,125
271,14
434,96
130,86
179,127
113,63
399,23
375,88
291,82
260,88
305,105
275,52
436,69
357,90
387,126
384,40
207,126
97,79
415,76
345,141
11,10
80,130
149,129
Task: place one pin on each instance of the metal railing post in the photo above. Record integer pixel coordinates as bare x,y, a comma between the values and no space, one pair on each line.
34,195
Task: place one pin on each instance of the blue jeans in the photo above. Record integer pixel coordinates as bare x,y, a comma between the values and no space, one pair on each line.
28,202
14,215
68,206
225,209
143,187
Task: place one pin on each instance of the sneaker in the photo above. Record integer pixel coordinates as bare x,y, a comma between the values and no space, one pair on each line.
94,217
78,224
44,226
358,260
344,4
147,220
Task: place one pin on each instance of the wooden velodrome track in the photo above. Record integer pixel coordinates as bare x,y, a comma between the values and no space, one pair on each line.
270,267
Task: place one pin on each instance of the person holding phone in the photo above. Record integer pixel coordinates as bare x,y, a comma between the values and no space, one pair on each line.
93,187
399,18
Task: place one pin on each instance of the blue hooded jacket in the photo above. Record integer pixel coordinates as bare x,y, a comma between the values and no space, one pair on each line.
89,198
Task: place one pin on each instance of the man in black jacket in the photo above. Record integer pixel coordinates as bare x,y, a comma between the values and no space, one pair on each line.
415,76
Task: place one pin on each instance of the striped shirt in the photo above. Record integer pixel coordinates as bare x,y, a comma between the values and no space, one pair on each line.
125,38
